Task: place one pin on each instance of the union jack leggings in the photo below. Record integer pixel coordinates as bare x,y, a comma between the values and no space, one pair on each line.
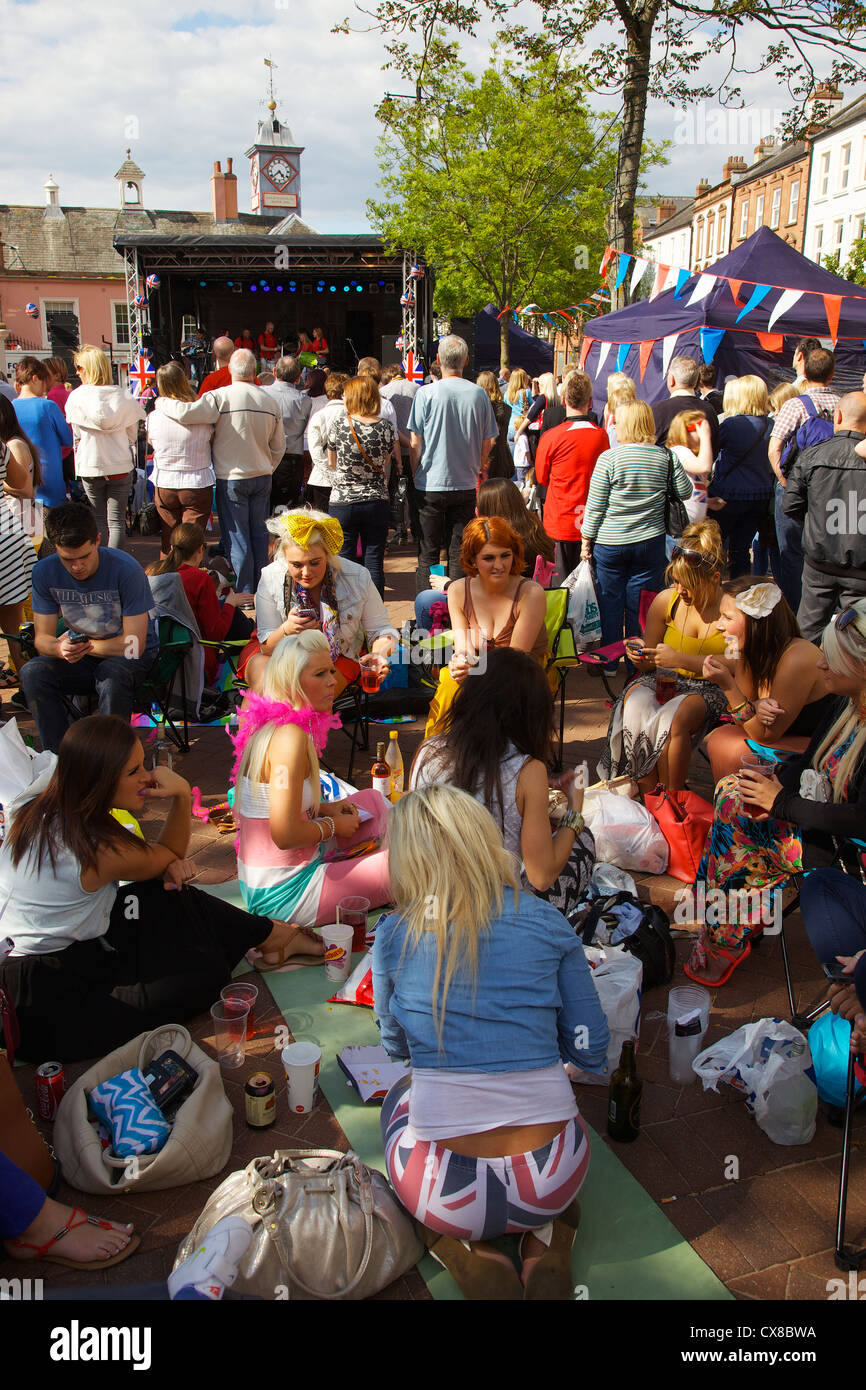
479,1198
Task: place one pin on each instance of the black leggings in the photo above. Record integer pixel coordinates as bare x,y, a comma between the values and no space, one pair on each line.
164,959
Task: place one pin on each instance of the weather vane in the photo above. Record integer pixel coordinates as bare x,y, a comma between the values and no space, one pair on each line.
271,103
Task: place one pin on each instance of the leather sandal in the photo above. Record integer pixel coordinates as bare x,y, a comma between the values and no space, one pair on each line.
41,1251
549,1276
478,1277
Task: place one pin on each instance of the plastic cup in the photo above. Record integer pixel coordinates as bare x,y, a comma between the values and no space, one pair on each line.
666,685
751,762
245,994
301,1062
352,912
337,939
685,1043
230,1031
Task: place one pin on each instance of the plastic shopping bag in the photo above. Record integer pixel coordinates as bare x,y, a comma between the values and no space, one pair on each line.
769,1063
626,834
583,613
617,976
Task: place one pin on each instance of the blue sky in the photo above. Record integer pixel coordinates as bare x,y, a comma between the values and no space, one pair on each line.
182,86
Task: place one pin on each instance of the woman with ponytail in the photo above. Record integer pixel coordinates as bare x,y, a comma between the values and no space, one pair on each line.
766,829
291,854
218,619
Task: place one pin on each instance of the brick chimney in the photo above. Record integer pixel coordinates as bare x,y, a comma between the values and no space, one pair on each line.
664,210
766,147
231,193
224,193
703,187
826,98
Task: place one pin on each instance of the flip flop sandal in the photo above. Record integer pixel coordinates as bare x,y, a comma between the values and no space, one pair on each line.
478,1277
8,679
264,966
71,1225
703,954
549,1278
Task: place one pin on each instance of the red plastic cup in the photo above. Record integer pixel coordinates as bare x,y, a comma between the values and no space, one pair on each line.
352,912
666,686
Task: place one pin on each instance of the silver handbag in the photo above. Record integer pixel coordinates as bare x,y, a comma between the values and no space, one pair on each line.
325,1226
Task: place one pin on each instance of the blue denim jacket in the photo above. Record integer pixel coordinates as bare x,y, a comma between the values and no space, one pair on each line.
534,1001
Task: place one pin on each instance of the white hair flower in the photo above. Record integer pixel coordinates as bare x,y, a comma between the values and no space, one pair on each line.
759,601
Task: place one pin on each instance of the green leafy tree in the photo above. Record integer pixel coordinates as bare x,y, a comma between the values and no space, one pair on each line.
499,182
855,268
633,49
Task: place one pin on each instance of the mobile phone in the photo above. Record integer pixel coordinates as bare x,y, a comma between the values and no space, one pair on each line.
78,637
307,613
834,971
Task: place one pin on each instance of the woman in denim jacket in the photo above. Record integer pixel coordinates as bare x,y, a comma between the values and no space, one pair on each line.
487,990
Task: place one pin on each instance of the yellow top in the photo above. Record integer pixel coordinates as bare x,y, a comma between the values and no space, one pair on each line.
713,644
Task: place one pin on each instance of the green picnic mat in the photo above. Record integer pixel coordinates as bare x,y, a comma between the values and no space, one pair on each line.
626,1248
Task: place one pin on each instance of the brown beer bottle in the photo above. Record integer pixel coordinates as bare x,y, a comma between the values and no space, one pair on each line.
381,773
623,1115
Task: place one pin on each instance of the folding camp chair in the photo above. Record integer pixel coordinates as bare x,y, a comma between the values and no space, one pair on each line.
846,1256
605,656
561,654
159,686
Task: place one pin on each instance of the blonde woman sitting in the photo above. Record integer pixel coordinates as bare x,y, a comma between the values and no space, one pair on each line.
308,588
290,844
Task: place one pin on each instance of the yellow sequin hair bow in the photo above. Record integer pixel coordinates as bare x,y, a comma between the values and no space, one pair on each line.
308,528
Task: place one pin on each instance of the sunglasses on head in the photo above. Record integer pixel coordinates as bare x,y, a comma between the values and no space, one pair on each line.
693,557
846,618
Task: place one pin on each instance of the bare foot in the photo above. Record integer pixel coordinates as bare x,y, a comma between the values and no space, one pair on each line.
288,939
85,1242
531,1251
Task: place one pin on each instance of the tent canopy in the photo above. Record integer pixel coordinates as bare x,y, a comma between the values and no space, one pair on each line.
791,298
524,349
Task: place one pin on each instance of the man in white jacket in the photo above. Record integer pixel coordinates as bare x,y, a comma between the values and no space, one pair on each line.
248,443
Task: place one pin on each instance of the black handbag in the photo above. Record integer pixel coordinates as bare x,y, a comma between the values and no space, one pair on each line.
651,943
676,516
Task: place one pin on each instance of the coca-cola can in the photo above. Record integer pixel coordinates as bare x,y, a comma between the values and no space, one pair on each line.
50,1088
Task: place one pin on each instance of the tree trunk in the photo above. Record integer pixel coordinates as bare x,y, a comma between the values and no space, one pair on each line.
504,353
631,140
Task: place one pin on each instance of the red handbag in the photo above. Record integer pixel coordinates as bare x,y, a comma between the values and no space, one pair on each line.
684,819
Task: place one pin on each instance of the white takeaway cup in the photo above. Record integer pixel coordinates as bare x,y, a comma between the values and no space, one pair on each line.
337,940
301,1061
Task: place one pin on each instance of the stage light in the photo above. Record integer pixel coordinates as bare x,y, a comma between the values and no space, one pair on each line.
263,282
291,289
381,282
332,288
279,289
360,289
229,284
202,284
345,289
266,289
253,289
319,289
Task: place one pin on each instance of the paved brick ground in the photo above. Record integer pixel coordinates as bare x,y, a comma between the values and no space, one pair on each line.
769,1233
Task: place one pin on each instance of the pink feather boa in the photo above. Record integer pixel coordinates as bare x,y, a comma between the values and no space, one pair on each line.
257,711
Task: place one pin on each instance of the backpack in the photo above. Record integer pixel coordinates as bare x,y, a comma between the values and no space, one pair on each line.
814,430
651,943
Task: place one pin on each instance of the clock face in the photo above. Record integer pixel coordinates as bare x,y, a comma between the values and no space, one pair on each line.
281,171
254,173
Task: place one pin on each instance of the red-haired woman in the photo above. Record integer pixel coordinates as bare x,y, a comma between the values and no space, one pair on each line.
492,607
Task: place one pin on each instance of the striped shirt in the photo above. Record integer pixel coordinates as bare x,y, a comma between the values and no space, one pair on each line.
626,501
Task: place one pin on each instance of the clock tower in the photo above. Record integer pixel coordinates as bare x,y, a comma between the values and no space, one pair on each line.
275,169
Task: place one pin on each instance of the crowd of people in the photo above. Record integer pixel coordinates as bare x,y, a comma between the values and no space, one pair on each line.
507,485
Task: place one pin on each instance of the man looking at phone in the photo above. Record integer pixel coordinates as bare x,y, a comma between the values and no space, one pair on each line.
109,641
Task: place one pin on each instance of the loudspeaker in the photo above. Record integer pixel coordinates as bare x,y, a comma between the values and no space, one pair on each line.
390,354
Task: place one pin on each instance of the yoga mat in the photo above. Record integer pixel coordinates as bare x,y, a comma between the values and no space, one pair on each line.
626,1248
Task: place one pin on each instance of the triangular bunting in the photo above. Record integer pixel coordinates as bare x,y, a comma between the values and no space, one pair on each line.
606,260
771,342
621,355
646,352
622,268
668,345
584,349
682,277
735,291
603,350
710,339
662,272
755,298
673,278
832,305
640,268
702,289
787,299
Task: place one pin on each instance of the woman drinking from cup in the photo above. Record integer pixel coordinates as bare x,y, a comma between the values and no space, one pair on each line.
776,694
800,813
306,588
96,963
492,607
672,703
291,847
487,990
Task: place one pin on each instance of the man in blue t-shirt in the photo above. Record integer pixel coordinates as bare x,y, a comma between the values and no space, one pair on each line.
452,430
110,640
43,423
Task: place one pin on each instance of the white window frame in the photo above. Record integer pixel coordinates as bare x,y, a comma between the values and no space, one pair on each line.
844,166
723,225
776,208
825,174
46,305
839,234
699,245
744,218
186,332
711,237
115,337
793,201
819,243
859,227
759,211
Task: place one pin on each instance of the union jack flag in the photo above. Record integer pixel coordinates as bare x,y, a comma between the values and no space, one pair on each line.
413,370
141,375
